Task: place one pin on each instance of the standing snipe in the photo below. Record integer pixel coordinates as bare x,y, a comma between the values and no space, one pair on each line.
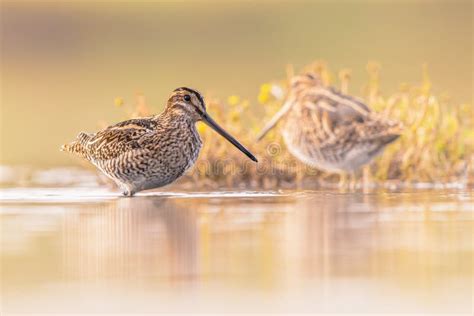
151,152
329,130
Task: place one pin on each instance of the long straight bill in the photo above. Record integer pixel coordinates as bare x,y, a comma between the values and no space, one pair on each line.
211,123
275,119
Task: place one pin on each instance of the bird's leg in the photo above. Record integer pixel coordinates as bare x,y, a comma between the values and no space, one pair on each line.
352,181
342,180
299,177
366,179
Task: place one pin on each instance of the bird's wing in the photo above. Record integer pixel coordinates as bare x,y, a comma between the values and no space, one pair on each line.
146,123
120,138
372,134
340,108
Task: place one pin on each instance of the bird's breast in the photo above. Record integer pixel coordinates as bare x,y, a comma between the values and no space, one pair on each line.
180,150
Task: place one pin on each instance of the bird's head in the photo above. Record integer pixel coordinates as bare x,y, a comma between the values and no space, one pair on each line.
190,103
299,85
305,80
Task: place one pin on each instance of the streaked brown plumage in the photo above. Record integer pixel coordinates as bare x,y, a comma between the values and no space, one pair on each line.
151,152
330,130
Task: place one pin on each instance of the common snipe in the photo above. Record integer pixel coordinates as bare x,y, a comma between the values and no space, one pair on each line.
330,130
151,152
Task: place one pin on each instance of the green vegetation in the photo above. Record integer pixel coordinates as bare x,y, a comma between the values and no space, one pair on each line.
437,144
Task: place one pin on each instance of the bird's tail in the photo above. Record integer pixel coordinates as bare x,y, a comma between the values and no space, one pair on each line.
394,131
78,146
382,132
389,138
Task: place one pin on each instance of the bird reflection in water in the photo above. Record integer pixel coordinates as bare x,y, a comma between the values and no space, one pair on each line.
141,239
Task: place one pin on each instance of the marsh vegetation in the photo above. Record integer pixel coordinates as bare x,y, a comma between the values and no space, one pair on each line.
436,145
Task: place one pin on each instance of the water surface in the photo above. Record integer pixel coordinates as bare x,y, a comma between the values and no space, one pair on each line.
88,250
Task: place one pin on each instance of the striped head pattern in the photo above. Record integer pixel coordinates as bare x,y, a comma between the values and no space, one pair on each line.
306,80
189,101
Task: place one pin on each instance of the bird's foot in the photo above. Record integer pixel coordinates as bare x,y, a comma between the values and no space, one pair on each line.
128,193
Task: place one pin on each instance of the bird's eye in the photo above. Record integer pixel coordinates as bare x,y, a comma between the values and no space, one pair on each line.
187,98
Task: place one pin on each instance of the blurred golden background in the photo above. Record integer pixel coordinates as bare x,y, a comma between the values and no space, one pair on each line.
63,64
69,244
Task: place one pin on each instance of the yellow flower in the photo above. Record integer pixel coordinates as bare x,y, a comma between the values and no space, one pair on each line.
263,98
264,94
233,100
201,128
118,101
266,88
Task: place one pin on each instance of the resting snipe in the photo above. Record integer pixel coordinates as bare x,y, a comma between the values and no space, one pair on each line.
151,152
330,130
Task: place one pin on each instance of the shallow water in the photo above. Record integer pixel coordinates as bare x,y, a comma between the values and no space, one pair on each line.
88,250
